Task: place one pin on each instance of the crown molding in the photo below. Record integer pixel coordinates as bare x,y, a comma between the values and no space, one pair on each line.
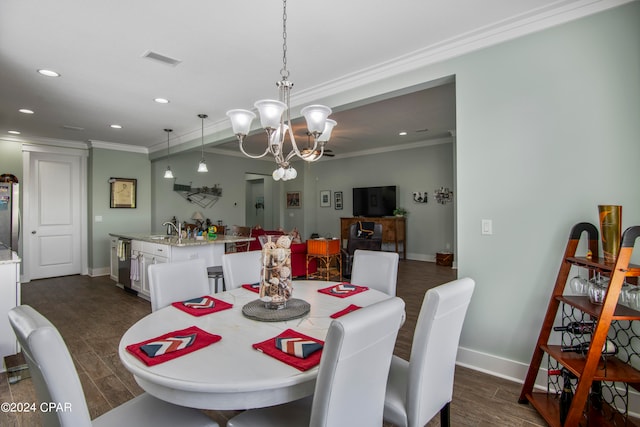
536,20
118,147
42,141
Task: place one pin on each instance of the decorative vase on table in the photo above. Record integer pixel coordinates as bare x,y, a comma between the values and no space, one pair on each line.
610,230
275,273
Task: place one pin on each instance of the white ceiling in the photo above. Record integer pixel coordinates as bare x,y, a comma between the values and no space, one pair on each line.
231,55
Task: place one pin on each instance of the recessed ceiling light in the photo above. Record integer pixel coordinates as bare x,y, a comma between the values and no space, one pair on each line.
48,73
14,132
116,126
403,133
26,111
161,100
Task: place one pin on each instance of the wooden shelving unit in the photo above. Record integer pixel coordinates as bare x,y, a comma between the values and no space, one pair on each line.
591,367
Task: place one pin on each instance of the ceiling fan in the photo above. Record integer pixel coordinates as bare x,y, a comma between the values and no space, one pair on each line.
307,150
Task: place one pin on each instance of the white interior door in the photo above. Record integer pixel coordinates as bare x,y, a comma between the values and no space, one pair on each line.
54,231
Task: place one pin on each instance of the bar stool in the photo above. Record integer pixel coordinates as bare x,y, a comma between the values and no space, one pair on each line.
215,273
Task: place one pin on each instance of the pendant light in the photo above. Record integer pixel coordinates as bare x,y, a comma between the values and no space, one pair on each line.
168,174
202,167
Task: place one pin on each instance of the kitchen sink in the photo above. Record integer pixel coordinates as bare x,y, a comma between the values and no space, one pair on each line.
159,237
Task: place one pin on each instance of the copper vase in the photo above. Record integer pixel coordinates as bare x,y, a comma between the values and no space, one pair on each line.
610,230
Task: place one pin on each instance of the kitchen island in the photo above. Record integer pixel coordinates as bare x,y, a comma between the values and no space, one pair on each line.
9,298
147,249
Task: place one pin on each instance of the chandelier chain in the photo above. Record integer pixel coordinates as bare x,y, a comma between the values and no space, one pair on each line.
284,72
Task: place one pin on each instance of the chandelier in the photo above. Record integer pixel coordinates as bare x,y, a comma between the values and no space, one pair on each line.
275,119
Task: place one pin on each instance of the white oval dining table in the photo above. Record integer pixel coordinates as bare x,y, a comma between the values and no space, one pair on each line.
231,374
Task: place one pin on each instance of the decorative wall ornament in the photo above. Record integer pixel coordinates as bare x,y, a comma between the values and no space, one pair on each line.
204,197
443,195
420,196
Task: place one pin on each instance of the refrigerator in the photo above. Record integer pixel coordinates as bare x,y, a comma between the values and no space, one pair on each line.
10,214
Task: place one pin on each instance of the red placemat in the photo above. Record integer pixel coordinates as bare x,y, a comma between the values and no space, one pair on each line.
202,340
343,290
269,347
254,287
219,306
344,311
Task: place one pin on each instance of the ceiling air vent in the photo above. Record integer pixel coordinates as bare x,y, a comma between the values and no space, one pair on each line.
69,127
161,58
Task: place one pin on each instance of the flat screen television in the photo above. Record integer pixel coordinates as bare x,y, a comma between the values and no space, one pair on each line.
374,201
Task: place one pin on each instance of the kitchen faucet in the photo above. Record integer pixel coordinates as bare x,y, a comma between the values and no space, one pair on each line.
178,229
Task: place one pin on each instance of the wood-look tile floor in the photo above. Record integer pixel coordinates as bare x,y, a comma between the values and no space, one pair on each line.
92,314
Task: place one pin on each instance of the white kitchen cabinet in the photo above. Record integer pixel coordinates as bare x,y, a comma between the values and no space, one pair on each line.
147,254
146,251
149,260
9,298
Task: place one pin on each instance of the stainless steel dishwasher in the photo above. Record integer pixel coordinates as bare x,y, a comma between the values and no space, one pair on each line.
124,265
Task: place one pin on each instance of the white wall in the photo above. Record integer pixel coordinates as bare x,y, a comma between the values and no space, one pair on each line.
429,226
227,171
547,129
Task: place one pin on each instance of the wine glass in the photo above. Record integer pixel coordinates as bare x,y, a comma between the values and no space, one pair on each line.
633,297
625,294
598,289
579,285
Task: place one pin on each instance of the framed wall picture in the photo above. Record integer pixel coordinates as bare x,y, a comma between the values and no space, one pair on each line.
325,198
294,199
337,200
122,192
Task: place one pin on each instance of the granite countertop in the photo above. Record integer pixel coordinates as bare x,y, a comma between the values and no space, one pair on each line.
7,256
163,239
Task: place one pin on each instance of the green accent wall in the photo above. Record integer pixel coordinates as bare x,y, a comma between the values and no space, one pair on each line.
104,164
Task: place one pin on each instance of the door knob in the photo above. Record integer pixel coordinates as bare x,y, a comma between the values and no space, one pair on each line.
33,232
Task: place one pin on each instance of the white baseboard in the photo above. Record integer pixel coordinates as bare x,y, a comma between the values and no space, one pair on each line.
517,371
102,271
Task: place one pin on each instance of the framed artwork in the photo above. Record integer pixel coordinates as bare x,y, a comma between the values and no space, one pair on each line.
293,200
337,200
325,198
122,192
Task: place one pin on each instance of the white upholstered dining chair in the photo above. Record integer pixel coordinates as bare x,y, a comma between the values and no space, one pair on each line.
177,281
241,268
420,388
56,382
352,374
375,269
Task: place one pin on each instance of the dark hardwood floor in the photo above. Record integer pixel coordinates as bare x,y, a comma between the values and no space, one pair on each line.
92,314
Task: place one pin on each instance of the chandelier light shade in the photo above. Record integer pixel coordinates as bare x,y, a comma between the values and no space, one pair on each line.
270,113
241,121
168,174
275,119
202,166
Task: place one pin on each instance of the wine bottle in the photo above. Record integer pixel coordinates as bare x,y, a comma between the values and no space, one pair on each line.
608,349
578,328
566,396
595,396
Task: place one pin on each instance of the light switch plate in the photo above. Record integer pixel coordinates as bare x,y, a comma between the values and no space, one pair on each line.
487,227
